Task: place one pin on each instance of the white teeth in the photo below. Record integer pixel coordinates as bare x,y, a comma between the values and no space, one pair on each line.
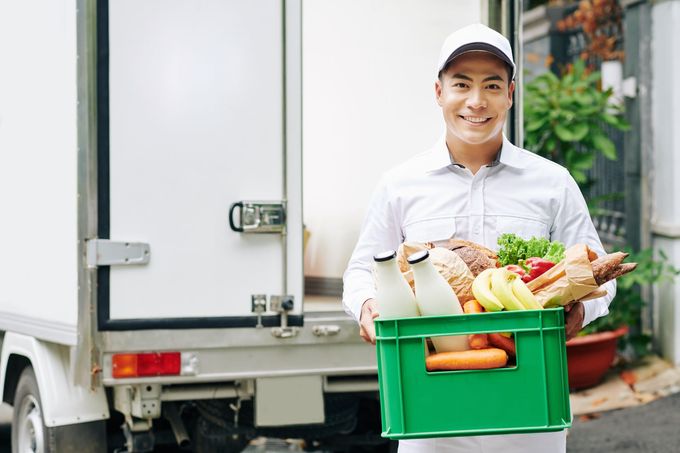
473,119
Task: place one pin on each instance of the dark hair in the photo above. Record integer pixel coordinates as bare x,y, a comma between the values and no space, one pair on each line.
508,68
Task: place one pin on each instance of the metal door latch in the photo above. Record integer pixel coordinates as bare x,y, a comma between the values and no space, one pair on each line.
282,305
104,252
258,217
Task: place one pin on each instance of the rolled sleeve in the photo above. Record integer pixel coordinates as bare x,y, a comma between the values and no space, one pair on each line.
599,307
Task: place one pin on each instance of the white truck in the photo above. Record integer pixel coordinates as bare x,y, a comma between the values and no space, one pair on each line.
151,200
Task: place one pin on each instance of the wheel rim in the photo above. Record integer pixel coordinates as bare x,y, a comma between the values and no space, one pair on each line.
31,436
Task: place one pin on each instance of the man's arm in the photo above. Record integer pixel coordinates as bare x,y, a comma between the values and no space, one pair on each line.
572,225
381,231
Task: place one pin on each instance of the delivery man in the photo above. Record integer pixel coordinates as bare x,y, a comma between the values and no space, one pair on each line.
473,184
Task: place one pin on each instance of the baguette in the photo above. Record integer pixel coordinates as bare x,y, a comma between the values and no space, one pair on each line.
615,272
606,264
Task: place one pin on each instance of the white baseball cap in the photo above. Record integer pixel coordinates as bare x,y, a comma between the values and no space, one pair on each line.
475,38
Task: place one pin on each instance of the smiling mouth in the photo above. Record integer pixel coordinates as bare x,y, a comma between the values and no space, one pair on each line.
475,119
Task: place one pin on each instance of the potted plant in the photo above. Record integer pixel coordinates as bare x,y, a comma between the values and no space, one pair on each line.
592,352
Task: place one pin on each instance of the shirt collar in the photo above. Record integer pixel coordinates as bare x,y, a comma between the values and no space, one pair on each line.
508,155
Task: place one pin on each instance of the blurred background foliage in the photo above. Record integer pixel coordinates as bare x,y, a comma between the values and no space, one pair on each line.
570,119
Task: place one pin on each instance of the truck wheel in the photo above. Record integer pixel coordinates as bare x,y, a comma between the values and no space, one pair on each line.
29,433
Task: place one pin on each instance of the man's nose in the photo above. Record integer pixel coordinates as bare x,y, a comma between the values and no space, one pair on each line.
476,100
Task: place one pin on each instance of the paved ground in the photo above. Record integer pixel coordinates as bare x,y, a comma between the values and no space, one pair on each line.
652,428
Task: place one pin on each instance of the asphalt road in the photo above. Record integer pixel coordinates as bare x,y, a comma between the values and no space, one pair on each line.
652,428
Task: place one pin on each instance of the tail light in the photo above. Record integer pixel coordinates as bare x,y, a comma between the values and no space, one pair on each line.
146,364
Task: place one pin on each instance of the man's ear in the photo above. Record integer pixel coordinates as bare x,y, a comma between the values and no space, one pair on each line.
511,90
438,91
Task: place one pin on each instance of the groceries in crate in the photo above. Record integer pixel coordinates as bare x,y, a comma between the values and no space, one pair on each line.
525,275
557,276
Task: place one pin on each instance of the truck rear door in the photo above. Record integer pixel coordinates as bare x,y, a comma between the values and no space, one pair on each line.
196,122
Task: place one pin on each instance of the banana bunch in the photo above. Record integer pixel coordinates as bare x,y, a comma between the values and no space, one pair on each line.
498,288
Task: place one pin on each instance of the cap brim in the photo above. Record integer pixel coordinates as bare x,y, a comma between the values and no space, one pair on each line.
480,47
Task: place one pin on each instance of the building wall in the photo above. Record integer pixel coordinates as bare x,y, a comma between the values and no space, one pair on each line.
368,104
665,209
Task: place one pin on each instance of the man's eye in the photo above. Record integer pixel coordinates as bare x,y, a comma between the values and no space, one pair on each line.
459,85
494,86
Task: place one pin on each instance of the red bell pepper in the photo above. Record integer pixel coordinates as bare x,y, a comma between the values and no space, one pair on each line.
537,266
516,269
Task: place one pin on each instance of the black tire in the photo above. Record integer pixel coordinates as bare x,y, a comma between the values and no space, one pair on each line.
29,430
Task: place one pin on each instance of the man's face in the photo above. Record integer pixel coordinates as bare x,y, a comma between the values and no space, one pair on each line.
475,97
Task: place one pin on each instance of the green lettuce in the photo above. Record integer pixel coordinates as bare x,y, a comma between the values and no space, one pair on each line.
513,248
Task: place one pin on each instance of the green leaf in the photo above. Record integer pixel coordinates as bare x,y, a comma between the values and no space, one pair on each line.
618,121
605,145
583,99
610,119
591,111
563,133
581,161
579,67
536,124
593,77
549,77
578,175
550,144
579,131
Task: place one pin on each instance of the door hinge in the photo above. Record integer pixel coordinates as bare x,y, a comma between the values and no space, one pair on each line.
104,252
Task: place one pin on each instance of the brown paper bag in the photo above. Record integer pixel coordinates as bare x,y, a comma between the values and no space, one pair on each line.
569,280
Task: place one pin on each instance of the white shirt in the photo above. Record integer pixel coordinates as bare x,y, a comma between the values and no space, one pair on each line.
429,199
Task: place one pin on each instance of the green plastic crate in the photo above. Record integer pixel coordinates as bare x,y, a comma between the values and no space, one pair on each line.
532,396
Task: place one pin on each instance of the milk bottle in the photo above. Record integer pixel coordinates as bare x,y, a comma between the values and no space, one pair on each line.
434,296
394,296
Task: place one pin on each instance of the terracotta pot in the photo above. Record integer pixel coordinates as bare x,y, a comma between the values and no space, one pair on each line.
590,356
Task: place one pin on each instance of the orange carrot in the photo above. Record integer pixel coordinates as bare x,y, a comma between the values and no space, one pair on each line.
476,340
506,344
472,306
480,359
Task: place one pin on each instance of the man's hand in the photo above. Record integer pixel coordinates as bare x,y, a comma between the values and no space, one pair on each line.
369,311
573,321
